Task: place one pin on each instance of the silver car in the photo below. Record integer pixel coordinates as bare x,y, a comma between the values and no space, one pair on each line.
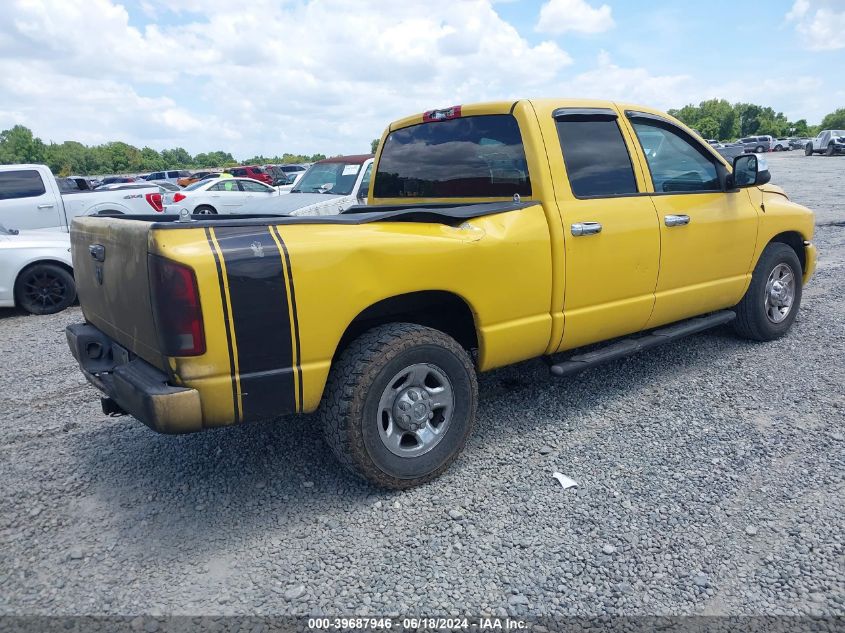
757,144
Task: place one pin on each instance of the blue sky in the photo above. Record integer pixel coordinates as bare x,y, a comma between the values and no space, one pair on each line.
271,76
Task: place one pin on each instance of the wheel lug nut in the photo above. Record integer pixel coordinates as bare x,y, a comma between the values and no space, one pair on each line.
414,427
404,406
413,395
406,419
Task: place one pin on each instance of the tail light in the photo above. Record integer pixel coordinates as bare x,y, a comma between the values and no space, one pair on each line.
176,308
154,199
178,197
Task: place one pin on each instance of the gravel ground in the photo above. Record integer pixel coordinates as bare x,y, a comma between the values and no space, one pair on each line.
711,482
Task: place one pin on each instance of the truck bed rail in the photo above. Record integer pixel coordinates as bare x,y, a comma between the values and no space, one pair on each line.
435,213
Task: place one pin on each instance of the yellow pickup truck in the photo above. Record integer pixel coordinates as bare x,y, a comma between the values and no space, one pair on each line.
495,233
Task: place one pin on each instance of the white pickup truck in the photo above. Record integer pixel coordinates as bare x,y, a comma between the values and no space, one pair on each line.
30,198
828,142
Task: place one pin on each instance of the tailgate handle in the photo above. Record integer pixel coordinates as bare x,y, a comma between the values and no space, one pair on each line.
98,252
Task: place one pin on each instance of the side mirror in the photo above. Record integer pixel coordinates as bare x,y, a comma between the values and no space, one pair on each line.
750,170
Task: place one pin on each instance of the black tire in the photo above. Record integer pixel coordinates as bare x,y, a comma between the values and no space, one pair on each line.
359,380
205,209
758,149
44,289
752,320
778,148
808,149
831,150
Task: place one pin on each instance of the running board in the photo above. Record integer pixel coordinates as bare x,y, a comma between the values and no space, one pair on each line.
628,346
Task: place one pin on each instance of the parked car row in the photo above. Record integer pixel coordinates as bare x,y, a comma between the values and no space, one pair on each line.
827,142
327,187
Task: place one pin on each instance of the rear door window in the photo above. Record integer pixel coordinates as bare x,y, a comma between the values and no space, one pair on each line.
467,157
596,157
25,183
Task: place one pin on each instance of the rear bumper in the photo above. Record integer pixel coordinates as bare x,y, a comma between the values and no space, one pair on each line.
809,261
135,386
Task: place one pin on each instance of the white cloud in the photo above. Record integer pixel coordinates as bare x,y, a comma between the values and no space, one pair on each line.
560,16
819,23
638,85
298,77
302,77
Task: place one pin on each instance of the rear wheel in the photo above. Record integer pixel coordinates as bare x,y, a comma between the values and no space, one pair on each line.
400,404
758,149
770,305
808,149
45,289
205,209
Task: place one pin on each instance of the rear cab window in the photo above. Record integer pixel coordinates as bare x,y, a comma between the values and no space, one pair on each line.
479,156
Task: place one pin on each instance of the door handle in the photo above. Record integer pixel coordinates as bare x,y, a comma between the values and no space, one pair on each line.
585,228
676,220
45,206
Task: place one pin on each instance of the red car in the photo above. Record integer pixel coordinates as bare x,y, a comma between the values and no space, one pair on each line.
252,171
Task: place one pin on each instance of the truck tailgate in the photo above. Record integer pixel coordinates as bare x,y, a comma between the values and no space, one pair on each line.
112,280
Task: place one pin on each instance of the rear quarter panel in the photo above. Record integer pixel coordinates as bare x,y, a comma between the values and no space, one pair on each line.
292,293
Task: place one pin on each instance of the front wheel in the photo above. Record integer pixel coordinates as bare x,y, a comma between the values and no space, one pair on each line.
45,289
831,150
770,305
400,404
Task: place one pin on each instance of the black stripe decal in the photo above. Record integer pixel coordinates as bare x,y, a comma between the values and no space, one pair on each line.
261,318
225,323
298,356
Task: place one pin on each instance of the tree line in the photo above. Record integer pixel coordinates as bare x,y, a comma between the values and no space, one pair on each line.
719,119
19,145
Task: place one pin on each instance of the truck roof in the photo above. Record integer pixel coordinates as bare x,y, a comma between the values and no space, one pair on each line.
507,107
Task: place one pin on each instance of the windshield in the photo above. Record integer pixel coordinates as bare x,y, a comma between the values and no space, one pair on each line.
838,132
331,178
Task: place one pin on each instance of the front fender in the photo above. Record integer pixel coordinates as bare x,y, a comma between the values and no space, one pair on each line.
782,216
